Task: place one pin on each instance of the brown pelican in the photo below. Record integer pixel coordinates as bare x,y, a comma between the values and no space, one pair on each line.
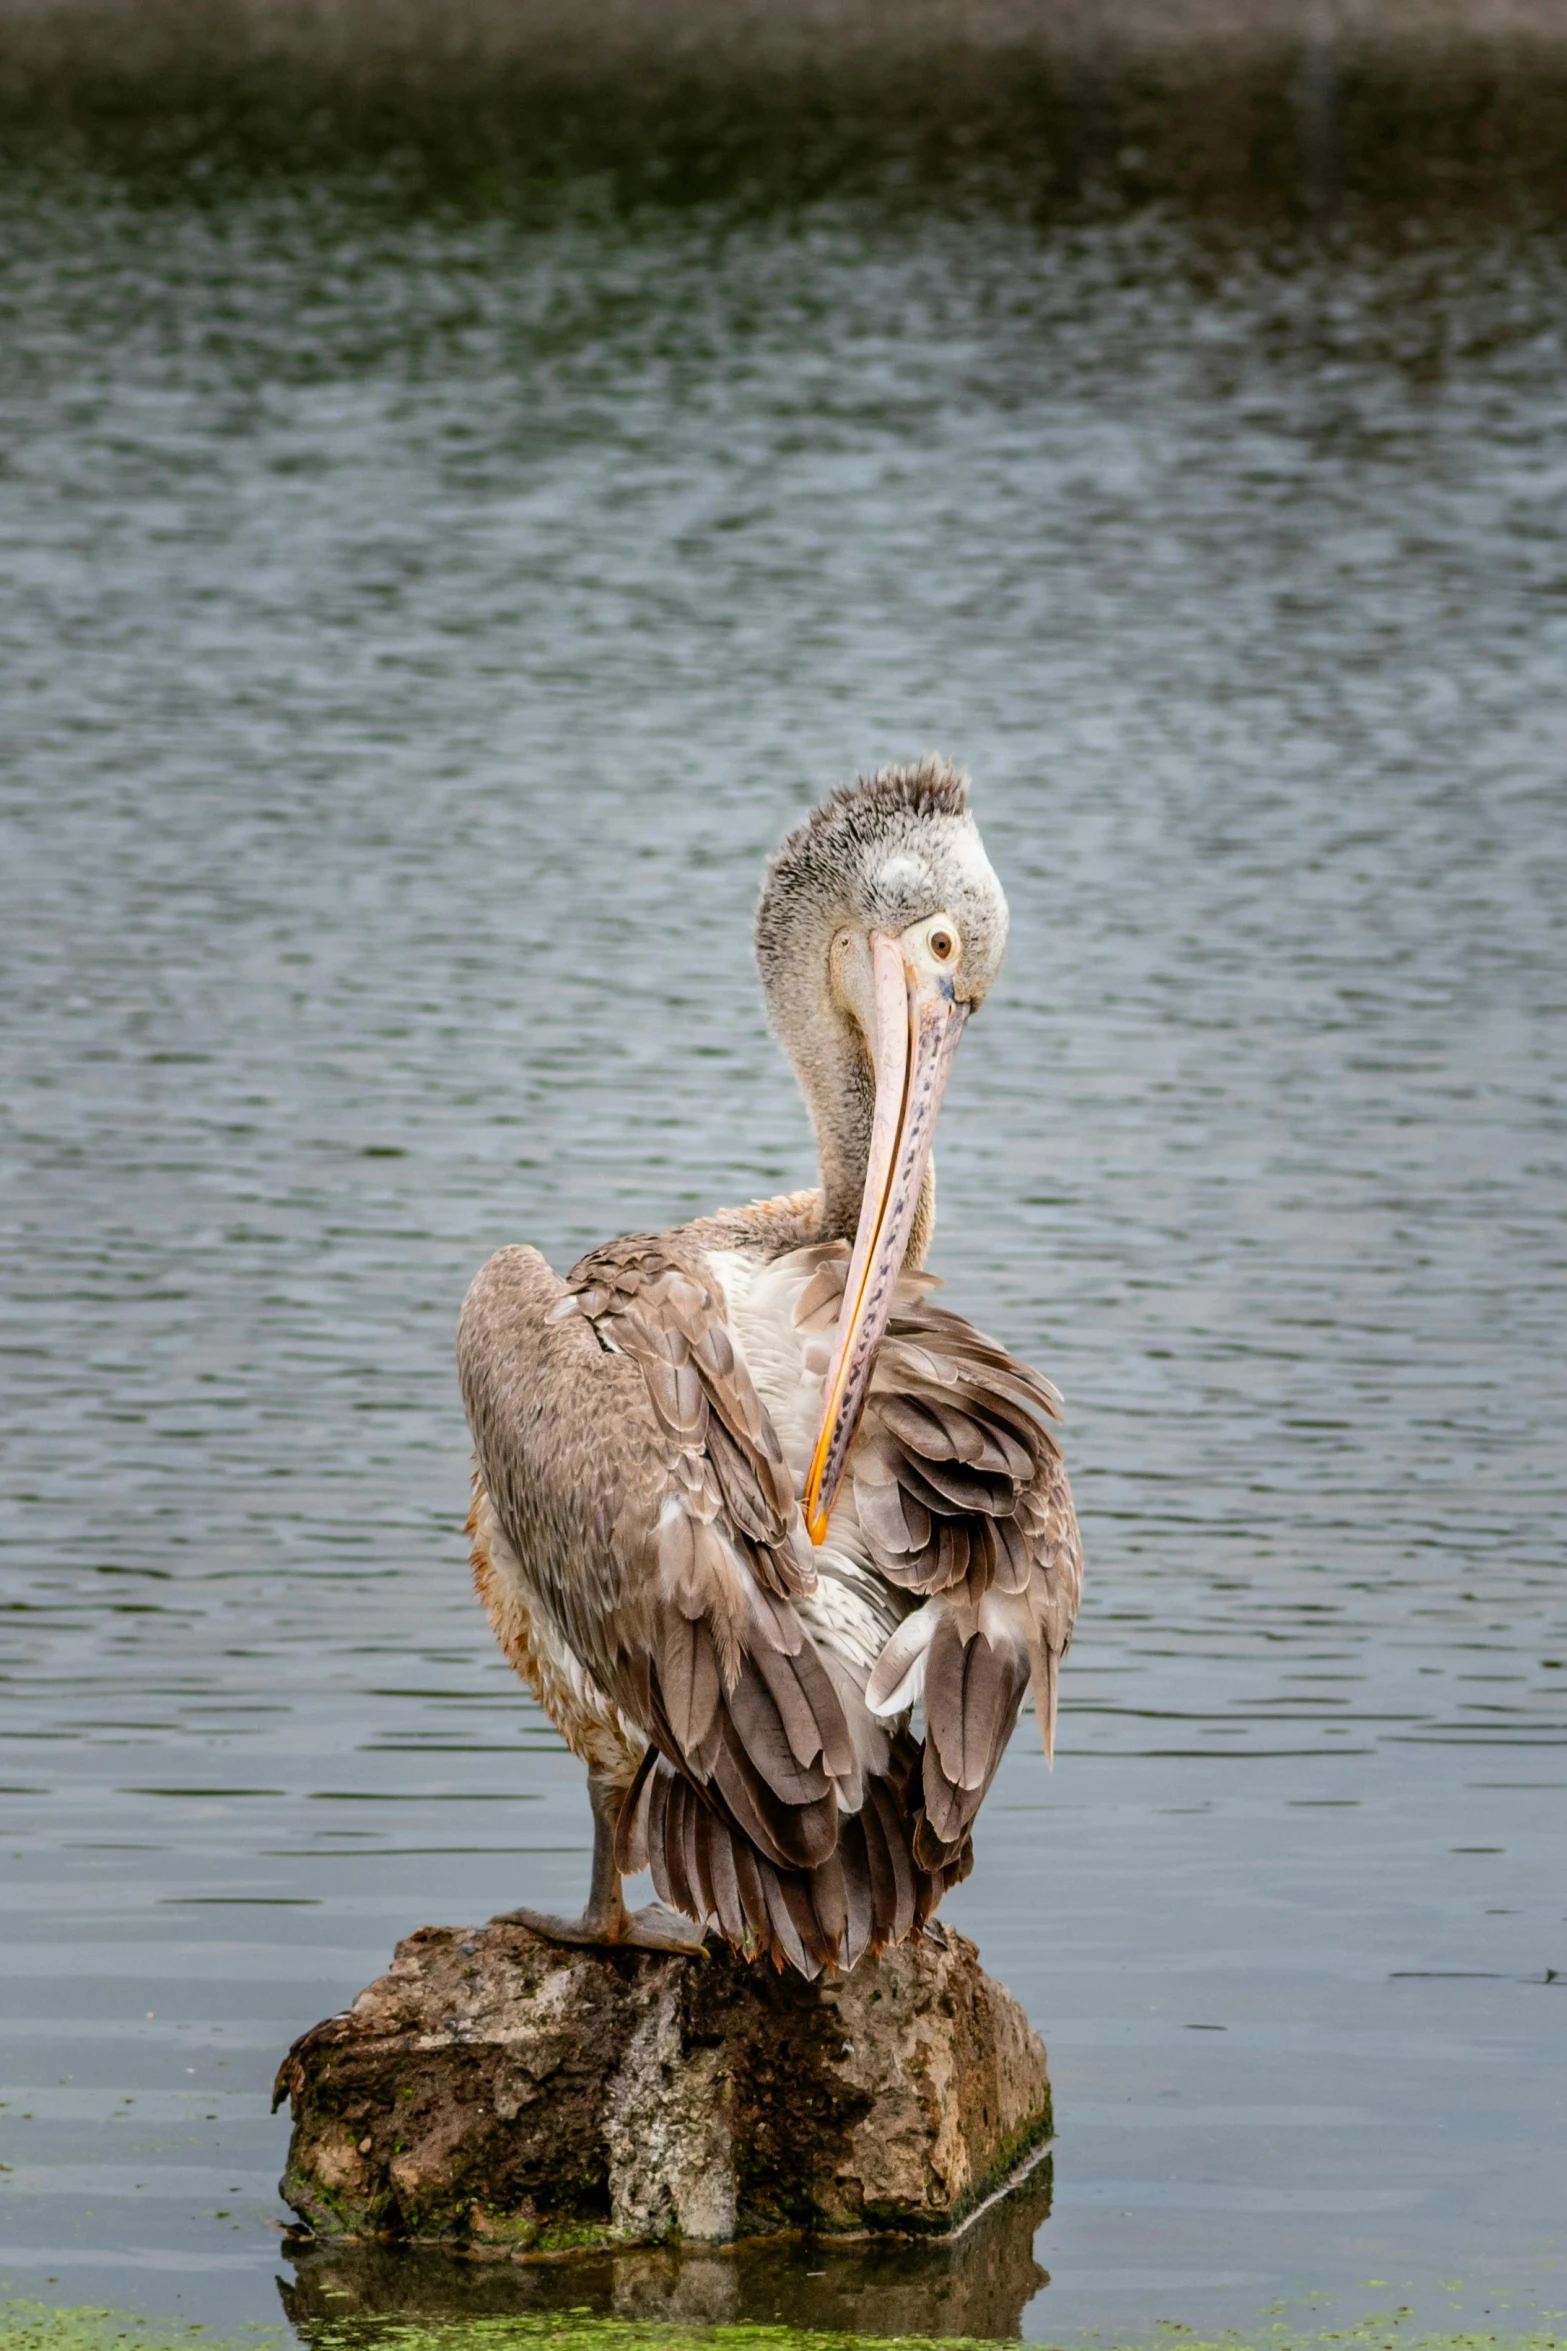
747,1506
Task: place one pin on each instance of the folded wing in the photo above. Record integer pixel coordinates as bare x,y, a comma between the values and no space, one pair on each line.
641,1486
962,1499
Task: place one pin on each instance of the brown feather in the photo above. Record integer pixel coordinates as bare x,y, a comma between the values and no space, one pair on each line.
953,1555
956,1486
916,1426
1013,1562
658,1827
879,1799
629,1461
775,1624
753,1893
810,1709
631,1827
671,1880
688,1678
727,1903
944,1673
882,1508
756,1711
858,1890
830,1902
1045,1676
881,1877
791,1893
698,1875
785,1933
752,1510
793,1834
978,1691
931,1854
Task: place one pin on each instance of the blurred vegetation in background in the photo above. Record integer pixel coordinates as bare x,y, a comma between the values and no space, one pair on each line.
1273,111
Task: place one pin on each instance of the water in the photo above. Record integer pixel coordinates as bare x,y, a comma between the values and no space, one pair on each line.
418,621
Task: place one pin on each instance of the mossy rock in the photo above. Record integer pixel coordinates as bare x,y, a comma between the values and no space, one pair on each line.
501,2093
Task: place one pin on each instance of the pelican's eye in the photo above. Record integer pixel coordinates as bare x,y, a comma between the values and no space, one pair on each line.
943,946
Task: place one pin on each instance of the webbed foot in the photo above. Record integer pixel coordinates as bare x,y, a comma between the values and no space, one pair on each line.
654,1928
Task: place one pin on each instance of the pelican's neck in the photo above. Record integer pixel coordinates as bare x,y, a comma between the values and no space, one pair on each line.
840,1091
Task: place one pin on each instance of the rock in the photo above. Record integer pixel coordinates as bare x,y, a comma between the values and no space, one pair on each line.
497,2092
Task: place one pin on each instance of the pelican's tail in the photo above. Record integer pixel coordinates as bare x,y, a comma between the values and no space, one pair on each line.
869,1891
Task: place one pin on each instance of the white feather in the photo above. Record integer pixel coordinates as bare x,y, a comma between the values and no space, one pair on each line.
898,1676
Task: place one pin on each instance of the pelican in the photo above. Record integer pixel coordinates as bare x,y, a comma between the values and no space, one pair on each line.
777,1543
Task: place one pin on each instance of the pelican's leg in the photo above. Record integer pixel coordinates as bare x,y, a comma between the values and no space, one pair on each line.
607,1922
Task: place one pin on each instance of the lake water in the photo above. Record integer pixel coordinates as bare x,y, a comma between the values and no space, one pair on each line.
419,617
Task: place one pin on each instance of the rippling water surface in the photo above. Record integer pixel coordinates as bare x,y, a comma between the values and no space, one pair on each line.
416,628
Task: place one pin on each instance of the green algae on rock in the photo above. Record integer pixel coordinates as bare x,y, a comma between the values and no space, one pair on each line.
510,2095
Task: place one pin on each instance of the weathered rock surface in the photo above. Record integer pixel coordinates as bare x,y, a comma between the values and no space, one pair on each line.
498,2092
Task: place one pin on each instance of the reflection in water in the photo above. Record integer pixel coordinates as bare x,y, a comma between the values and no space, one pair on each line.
451,522
976,2287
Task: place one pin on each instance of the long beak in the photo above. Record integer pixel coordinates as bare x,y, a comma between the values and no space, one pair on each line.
918,1025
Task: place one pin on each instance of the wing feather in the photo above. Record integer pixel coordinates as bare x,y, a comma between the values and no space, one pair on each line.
635,1472
961,1496
782,1926
688,1676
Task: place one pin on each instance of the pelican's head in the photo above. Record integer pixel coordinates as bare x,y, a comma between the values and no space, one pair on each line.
881,928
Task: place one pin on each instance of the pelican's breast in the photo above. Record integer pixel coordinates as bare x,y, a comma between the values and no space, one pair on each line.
783,1319
788,1364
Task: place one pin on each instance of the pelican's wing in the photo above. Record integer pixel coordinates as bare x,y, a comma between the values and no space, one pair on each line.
961,1497
640,1483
